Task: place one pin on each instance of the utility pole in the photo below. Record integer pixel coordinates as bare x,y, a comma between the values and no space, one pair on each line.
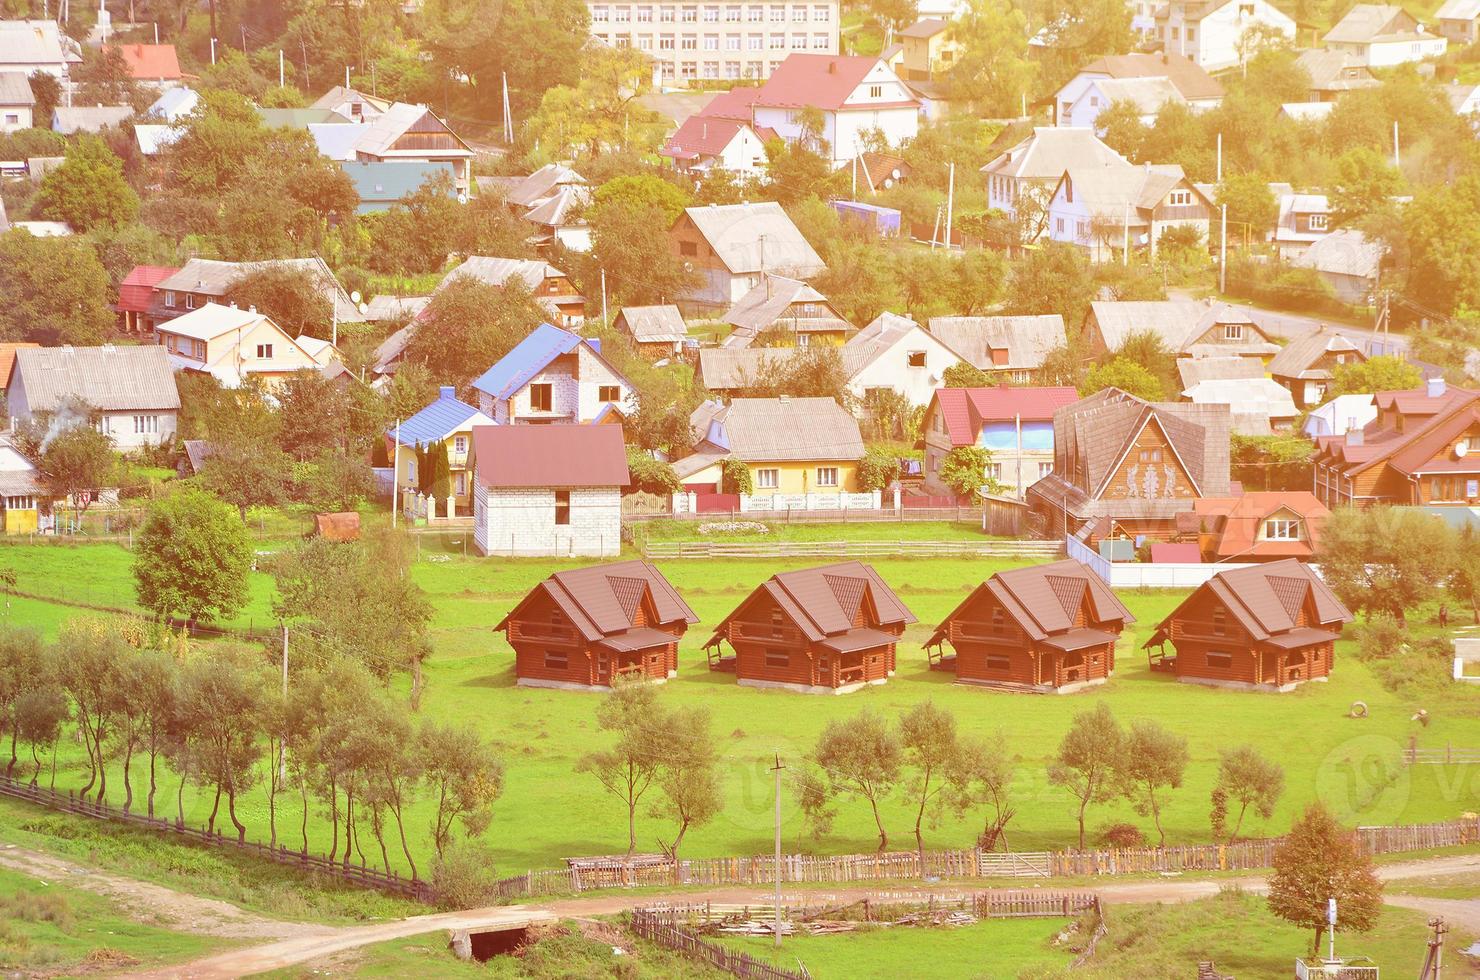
156,32
777,768
282,755
280,67
603,296
508,118
396,476
1125,234
1397,156
346,76
213,51
1219,178
950,201
1223,253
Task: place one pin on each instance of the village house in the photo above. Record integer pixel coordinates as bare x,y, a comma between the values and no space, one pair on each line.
882,171
155,65
928,49
28,46
731,247
548,490
1014,424
1304,219
202,281
233,345
1011,348
20,491
584,628
1211,33
1021,180
1108,209
446,421
1457,21
1125,467
1340,415
136,294
1271,626
1260,525
792,447
1195,370
856,95
896,354
352,104
1334,73
1423,448
131,390
1306,365
552,375
553,199
705,143
825,630
7,360
1048,628
1381,35
71,120
1186,327
1154,79
1258,406
383,183
656,331
734,371
1348,262
17,102
550,287
790,307
414,132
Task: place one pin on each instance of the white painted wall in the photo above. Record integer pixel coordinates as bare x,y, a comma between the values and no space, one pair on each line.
892,368
1214,44
522,522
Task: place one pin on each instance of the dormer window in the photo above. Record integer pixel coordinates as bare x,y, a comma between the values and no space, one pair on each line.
1318,222
1282,529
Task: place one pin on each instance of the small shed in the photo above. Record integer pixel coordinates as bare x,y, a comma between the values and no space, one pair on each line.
882,221
343,526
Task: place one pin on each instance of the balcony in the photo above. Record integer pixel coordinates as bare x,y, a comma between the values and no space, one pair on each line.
986,633
766,633
548,634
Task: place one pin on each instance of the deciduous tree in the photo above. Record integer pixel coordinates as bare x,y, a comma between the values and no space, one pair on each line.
1383,373
931,746
1318,861
1124,374
1248,779
192,558
862,756
464,776
54,290
1384,559
88,190
1087,759
219,714
1154,760
77,462
689,774
629,768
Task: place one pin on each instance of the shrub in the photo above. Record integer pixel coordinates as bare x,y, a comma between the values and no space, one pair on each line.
1121,835
735,477
463,876
1381,636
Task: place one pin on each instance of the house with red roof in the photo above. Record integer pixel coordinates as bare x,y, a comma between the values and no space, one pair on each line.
737,103
155,64
855,94
1423,448
135,294
1266,525
705,143
1014,424
548,489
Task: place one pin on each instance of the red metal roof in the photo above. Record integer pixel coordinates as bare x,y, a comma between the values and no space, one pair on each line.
821,80
560,456
137,287
7,360
702,136
964,410
1244,516
147,61
734,104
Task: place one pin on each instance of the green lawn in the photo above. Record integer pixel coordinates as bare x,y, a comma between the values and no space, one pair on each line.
996,948
548,813
1460,886
50,928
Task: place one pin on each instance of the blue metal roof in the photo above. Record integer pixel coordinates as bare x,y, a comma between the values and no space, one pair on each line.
438,420
528,358
381,183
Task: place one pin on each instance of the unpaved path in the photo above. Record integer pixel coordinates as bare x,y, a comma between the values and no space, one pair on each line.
302,949
155,904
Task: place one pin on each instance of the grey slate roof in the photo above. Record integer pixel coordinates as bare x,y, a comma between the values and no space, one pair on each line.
654,324
1027,339
212,277
1194,370
1050,151
753,237
109,378
88,119
768,300
380,136
732,368
497,272
1171,320
1295,359
15,90
1342,253
776,429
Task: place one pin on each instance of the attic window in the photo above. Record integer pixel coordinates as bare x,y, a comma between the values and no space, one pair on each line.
1318,222
917,358
1233,331
688,248
1179,199
998,623
1282,530
876,91
1218,621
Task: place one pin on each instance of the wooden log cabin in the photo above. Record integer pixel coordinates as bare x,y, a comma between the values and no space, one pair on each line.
580,629
1045,628
825,630
1267,627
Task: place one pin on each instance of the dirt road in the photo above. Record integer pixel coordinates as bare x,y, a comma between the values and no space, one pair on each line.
327,942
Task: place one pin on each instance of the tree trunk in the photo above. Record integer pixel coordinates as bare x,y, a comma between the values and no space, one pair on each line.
102,763
153,754
215,806
92,759
1082,805
36,775
303,792
241,828
631,826
128,783
406,850
334,819
1156,818
1315,948
349,826
272,808
1238,823
879,822
14,733
180,803
416,683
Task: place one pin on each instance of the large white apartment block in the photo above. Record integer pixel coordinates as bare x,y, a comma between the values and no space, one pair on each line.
691,41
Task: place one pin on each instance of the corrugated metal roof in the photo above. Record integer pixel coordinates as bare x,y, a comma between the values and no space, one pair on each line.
1172,320
111,379
381,135
151,61
654,324
1194,370
540,185
213,277
528,358
966,410
1026,339
770,300
1467,10
1364,22
27,42
1295,358
88,119
336,140
779,429
439,420
137,288
1191,80
497,271
382,182
1051,150
173,104
550,456
14,89
1342,253
752,237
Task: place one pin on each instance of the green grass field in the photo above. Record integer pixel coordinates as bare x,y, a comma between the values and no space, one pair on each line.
50,929
548,813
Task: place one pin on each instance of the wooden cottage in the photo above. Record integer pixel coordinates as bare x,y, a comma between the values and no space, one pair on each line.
579,629
1269,626
825,630
1046,628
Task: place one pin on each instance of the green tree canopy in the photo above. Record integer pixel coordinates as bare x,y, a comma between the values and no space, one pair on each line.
54,290
1126,375
192,558
1383,373
88,190
1318,861
469,325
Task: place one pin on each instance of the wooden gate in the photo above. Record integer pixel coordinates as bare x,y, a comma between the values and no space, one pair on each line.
1015,864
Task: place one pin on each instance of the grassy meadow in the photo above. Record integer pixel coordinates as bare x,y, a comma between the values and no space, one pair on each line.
548,812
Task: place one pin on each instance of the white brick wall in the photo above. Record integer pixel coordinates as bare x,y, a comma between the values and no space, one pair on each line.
577,396
522,522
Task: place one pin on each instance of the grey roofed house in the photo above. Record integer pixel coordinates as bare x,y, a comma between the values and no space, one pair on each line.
1050,151
653,324
1241,334
1256,405
1001,343
88,119
383,308
874,340
197,451
15,90
528,192
498,272
1342,253
1334,71
1171,320
1458,10
212,279
388,355
560,208
771,300
777,429
1368,22
1146,94
37,42
1194,370
756,238
1298,358
108,378
725,369
380,136
1191,80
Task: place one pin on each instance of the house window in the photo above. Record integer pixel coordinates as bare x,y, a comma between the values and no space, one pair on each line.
540,397
827,476
264,352
562,507
556,661
1318,222
1217,658
1218,621
767,479
169,298
917,358
1058,225
1150,455
999,663
199,348
1179,199
778,658
1282,530
688,248
609,393
462,484
146,425
189,301
999,622
460,444
876,91
12,118
1233,331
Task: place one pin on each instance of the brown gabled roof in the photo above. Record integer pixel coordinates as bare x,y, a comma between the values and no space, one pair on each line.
822,601
1430,421
1044,599
601,601
1266,599
1190,79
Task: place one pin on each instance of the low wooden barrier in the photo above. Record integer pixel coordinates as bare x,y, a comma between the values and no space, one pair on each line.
662,927
990,548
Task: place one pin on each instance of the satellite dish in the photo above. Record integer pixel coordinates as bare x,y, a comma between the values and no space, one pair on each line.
364,307
355,297
897,175
1462,449
462,197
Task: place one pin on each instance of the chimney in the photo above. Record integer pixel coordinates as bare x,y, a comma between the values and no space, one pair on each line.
704,130
783,399
1353,434
832,67
1437,387
447,391
251,309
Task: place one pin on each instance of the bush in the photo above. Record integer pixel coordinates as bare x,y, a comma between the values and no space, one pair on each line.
463,876
1121,835
735,477
1379,637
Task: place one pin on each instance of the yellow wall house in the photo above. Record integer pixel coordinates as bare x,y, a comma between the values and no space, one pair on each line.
235,344
445,420
19,494
790,445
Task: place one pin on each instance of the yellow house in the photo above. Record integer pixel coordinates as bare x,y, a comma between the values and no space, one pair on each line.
19,494
790,446
445,421
928,49
235,344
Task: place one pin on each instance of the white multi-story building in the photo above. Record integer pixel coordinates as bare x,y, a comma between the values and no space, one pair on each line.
1212,34
695,41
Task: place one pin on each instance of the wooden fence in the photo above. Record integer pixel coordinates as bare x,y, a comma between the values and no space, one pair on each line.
1449,755
986,548
661,926
359,875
